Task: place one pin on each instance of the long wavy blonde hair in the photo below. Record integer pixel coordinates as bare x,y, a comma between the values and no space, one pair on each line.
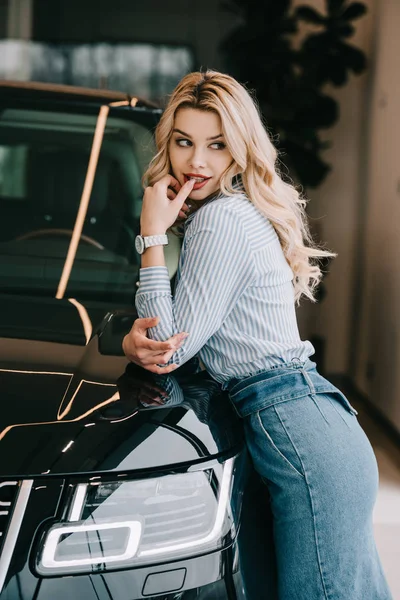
254,160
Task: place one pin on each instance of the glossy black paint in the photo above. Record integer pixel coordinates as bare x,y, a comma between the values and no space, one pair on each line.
94,406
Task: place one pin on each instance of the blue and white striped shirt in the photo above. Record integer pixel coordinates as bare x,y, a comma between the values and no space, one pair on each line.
233,293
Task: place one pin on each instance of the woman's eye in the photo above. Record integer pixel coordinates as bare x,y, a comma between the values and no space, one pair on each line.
218,146
184,143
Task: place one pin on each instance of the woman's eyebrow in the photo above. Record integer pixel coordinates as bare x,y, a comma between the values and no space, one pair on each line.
214,137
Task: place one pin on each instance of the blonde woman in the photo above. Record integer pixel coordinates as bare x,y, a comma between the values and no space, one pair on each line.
247,258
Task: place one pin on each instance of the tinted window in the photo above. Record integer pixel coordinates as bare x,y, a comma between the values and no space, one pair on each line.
44,159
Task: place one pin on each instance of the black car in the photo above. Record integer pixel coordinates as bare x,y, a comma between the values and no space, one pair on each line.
115,484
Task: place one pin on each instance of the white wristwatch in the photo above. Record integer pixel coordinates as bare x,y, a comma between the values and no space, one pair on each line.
142,243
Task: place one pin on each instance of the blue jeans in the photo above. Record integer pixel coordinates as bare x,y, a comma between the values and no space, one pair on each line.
306,443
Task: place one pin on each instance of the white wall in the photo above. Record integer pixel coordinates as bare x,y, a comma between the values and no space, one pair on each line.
380,292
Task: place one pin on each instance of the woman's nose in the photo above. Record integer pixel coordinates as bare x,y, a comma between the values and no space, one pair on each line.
197,160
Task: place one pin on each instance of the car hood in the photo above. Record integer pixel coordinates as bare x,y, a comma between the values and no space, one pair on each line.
73,406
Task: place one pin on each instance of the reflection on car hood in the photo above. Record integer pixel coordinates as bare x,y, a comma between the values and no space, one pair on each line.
72,407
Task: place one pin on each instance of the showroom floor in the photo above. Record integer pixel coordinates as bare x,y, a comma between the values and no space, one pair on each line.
387,508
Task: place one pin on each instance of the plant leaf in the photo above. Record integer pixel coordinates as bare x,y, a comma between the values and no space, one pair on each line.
334,6
318,43
353,57
331,69
345,30
323,113
338,76
308,14
354,11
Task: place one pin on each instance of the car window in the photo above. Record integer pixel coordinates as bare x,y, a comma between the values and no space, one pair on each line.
44,157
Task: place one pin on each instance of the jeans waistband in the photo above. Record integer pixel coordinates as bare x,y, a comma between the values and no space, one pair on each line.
287,382
236,383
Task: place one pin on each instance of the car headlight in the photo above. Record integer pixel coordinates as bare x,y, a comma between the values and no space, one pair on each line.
119,524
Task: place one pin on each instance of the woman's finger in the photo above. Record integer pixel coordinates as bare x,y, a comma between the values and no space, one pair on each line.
164,349
169,181
161,370
156,348
183,213
184,192
164,358
176,186
157,357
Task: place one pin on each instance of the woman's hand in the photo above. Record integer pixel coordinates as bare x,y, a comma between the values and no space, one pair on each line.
162,206
147,353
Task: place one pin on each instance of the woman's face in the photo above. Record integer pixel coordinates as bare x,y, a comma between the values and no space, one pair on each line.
197,149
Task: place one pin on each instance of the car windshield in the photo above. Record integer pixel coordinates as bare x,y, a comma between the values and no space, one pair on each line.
44,157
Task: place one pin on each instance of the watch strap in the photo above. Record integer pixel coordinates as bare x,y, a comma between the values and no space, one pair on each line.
155,240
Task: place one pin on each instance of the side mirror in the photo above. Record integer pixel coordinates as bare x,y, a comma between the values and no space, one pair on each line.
112,330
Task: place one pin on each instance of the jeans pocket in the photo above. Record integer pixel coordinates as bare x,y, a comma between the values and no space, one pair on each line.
278,438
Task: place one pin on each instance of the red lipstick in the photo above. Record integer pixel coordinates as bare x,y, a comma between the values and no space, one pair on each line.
200,184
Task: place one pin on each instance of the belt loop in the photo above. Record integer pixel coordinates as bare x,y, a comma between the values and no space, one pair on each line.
308,380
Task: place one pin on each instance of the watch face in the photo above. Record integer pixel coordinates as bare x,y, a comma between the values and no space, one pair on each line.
139,244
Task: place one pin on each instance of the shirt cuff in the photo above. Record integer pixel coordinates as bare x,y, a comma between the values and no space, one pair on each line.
154,279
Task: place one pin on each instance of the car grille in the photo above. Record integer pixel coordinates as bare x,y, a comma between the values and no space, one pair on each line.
8,497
